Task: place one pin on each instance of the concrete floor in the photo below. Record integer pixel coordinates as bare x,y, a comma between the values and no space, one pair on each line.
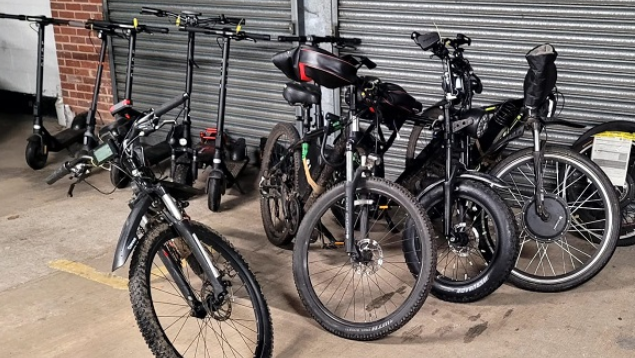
49,313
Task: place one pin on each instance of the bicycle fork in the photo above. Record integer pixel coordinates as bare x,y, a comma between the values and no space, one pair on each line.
211,273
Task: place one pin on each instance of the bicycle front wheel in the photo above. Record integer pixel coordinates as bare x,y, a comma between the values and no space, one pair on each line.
579,237
372,293
240,326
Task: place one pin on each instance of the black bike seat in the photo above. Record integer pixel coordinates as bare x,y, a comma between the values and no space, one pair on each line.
302,94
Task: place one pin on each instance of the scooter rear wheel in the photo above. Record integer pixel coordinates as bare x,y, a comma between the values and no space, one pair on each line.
36,154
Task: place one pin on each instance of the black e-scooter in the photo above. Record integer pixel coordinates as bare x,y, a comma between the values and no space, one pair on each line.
41,142
123,110
214,145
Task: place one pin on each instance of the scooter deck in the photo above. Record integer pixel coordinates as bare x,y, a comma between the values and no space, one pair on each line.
157,153
66,138
236,167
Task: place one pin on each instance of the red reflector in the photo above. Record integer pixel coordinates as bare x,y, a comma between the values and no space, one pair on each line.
303,76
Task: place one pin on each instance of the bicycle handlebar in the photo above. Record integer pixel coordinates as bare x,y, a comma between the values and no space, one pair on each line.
65,169
173,103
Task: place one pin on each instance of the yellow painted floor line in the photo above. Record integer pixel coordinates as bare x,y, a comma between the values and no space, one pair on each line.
90,273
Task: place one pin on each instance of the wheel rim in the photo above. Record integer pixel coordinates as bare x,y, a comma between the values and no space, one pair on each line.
229,331
373,287
468,258
583,244
627,213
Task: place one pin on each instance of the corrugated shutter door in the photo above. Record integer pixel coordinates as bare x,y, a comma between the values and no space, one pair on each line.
595,43
254,96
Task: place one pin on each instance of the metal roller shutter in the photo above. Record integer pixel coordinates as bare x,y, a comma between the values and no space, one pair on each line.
254,95
596,46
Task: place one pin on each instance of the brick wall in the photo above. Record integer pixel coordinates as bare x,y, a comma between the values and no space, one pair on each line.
78,57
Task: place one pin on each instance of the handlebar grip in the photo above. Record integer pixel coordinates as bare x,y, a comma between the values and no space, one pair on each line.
163,30
152,11
350,41
57,174
75,23
291,38
173,103
262,37
14,17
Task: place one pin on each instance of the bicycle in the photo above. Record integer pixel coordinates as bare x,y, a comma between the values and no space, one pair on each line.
559,198
476,237
365,199
180,268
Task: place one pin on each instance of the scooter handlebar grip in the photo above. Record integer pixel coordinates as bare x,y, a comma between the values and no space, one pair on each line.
162,30
75,23
151,11
173,103
57,174
261,37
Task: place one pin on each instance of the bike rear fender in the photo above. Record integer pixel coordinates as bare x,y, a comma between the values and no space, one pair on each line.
128,239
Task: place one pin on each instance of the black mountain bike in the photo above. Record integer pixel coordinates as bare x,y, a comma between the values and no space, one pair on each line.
568,220
364,255
477,241
191,291
298,166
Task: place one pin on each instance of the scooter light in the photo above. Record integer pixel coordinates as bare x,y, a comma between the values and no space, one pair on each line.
182,142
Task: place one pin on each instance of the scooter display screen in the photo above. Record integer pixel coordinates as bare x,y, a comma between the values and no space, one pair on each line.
103,153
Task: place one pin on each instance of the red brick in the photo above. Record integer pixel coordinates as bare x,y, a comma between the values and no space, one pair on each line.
66,70
73,79
57,5
72,63
91,8
55,13
70,47
65,14
68,30
84,88
62,38
79,56
73,7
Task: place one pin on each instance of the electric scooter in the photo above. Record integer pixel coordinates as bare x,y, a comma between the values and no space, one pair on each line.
186,157
41,142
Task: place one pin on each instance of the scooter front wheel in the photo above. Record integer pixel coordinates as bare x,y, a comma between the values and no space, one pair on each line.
36,154
214,187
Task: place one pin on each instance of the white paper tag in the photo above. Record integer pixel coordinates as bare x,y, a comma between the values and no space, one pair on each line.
612,153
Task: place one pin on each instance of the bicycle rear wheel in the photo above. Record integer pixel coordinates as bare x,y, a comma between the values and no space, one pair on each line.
239,327
373,294
579,237
280,175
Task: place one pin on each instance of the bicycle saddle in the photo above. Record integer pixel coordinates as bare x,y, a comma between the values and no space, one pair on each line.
302,94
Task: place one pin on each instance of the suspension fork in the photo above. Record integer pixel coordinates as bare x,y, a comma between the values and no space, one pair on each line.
539,193
450,174
183,227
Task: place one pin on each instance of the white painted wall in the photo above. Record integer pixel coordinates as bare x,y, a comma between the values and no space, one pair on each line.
18,49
